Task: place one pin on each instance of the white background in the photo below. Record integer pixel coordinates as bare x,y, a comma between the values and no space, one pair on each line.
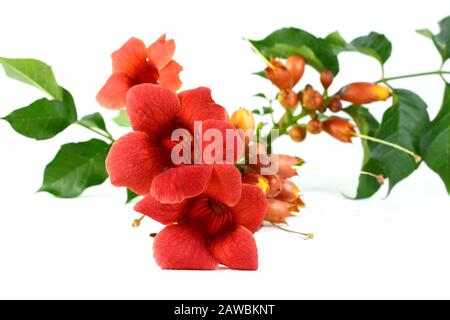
85,248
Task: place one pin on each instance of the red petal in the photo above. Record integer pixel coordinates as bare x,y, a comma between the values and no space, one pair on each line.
114,92
197,104
130,58
231,148
169,76
181,247
161,51
225,184
177,184
236,250
163,213
251,208
133,162
151,108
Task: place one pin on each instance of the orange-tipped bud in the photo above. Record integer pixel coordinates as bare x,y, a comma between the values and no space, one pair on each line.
256,180
364,92
243,119
335,104
279,75
296,67
340,129
278,211
297,133
289,192
326,78
312,99
288,98
286,163
314,126
275,185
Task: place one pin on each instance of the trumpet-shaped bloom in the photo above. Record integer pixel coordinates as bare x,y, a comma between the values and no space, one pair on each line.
143,160
203,231
134,64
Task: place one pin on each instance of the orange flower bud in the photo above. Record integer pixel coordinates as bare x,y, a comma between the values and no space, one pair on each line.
256,180
279,75
297,133
312,99
314,126
288,98
278,211
296,67
289,192
364,92
326,78
243,119
340,129
275,184
285,164
335,104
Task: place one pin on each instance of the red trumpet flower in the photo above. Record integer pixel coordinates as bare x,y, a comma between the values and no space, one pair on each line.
142,160
134,64
203,232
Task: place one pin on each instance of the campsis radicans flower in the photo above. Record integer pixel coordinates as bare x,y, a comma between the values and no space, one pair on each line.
340,129
142,160
203,232
134,64
364,92
285,76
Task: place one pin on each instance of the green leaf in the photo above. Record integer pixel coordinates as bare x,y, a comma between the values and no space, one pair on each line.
43,119
95,121
256,111
289,41
122,119
260,74
374,44
35,73
260,95
426,33
440,40
403,124
267,110
131,196
76,166
367,124
436,142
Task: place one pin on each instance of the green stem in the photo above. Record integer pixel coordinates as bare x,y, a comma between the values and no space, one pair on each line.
416,157
107,136
413,75
258,53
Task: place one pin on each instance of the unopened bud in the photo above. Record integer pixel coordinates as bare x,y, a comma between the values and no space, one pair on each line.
326,78
314,126
340,129
312,99
364,92
288,98
296,67
335,104
243,119
297,133
275,185
279,75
